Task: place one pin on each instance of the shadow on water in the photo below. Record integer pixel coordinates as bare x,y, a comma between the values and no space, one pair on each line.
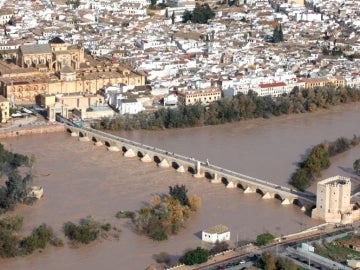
347,170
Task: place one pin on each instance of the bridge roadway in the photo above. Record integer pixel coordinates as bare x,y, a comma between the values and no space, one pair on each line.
215,174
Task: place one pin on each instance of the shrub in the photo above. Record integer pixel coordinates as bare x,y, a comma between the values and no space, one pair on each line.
195,203
106,227
125,214
179,193
162,257
264,238
8,243
40,237
356,166
87,231
196,256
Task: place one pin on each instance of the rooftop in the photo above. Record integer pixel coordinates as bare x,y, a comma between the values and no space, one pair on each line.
219,229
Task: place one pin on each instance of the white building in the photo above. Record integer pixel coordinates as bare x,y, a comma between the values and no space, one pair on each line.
218,233
129,106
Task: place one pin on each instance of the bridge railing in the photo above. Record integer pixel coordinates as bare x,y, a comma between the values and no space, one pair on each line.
243,177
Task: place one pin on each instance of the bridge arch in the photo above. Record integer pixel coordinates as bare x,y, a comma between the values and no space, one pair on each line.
140,154
82,134
298,203
191,169
94,139
260,191
241,185
209,175
175,164
107,143
224,180
157,159
279,197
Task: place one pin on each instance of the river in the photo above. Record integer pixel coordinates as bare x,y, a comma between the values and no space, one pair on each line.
81,179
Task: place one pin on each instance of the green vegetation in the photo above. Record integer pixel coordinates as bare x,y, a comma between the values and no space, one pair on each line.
356,166
264,238
239,108
195,256
39,239
319,159
87,231
17,187
270,261
11,245
278,34
125,214
179,193
153,4
201,14
163,216
336,252
74,3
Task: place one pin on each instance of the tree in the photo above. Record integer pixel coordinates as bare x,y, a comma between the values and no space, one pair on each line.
17,188
278,34
173,18
300,179
264,238
153,4
86,232
356,166
166,13
179,193
202,13
195,203
269,261
187,15
196,256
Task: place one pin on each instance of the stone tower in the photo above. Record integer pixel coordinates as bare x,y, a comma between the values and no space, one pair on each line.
333,200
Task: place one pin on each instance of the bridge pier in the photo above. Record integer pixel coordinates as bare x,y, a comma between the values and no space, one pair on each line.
113,148
146,158
231,184
181,169
74,134
215,179
198,174
98,143
84,139
286,201
164,164
267,195
249,190
130,153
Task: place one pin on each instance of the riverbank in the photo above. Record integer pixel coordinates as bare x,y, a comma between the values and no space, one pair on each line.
82,179
21,130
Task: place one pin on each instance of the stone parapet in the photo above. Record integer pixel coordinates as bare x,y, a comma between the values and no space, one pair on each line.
22,131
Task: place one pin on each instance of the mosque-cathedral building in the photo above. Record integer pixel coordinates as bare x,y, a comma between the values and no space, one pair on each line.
59,68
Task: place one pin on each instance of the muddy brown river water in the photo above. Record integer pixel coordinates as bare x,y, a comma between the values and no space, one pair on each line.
81,179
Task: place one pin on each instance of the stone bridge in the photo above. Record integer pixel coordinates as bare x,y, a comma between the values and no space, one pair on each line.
182,164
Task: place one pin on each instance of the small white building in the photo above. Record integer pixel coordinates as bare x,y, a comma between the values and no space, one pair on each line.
217,233
129,106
